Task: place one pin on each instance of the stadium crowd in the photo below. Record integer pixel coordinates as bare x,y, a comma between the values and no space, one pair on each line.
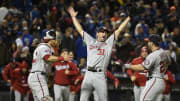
23,24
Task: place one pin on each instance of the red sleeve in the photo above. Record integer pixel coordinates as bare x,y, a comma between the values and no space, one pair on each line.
73,70
130,72
110,75
134,62
6,72
78,88
13,77
46,57
171,78
81,77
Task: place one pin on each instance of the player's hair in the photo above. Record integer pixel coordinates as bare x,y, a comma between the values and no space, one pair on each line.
155,38
64,50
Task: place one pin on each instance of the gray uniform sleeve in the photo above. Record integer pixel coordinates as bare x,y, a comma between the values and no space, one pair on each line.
111,39
87,38
44,50
149,61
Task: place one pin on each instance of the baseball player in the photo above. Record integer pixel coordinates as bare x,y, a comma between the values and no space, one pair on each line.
64,71
169,81
156,63
74,88
138,78
7,76
98,55
19,81
41,66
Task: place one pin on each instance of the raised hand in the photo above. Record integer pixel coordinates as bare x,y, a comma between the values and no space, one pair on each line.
72,12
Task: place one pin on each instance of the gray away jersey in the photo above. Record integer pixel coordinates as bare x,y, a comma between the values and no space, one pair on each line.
156,63
39,64
98,53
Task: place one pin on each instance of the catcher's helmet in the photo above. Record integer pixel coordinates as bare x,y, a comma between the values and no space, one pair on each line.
156,39
50,35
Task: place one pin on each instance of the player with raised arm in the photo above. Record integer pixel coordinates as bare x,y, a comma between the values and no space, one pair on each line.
98,56
41,65
156,63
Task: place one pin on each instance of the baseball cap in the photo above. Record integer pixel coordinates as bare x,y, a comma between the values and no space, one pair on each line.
102,29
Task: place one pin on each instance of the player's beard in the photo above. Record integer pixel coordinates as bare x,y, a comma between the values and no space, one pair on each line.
103,38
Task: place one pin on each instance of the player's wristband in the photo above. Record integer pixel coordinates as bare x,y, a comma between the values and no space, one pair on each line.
60,58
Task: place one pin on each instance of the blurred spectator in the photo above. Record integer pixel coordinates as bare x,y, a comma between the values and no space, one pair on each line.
165,34
35,13
4,11
24,24
43,7
125,49
171,48
172,20
59,35
141,30
173,67
81,48
68,42
34,45
26,55
176,35
48,28
159,25
15,20
27,37
4,28
37,26
4,56
19,41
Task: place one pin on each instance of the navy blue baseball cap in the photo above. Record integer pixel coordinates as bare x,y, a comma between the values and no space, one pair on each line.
102,29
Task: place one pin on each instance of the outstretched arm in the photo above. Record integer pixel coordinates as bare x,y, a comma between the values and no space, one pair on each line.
121,27
138,67
76,23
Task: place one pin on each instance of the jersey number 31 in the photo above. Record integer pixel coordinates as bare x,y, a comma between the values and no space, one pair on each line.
100,52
